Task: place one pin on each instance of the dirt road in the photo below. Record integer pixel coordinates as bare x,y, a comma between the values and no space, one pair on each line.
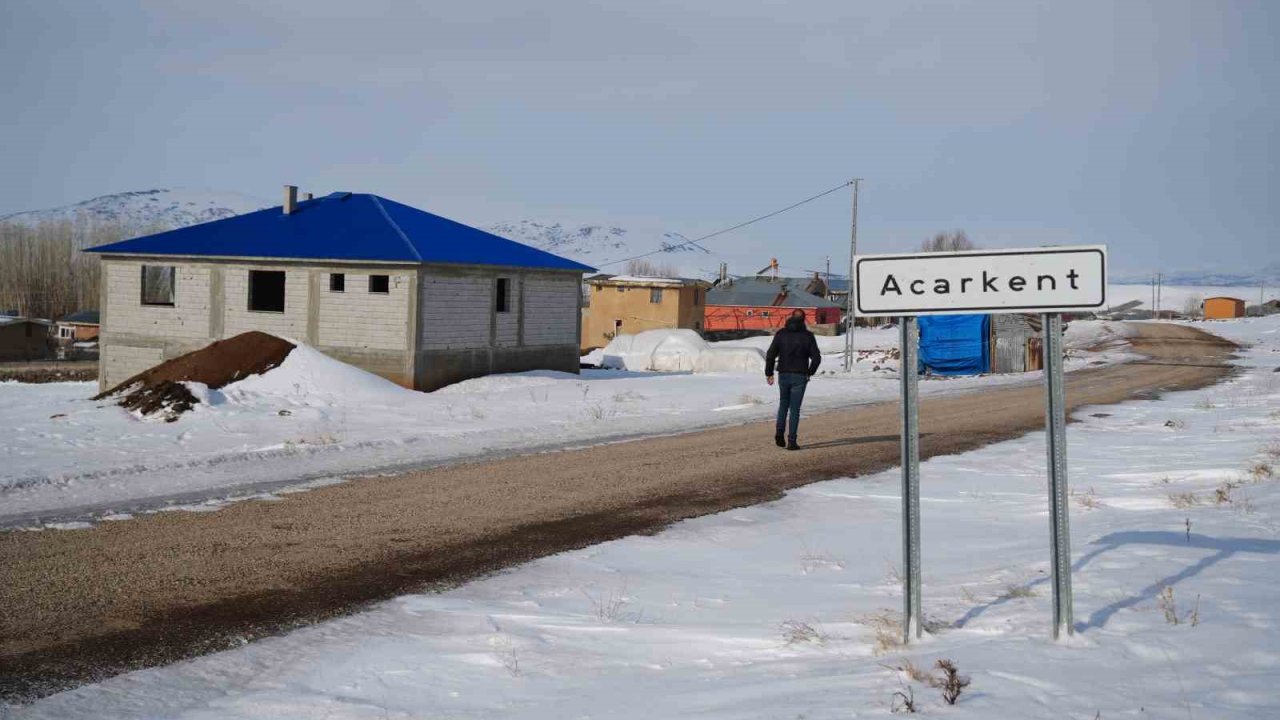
85,604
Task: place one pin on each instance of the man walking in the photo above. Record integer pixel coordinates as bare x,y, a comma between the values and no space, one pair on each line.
794,351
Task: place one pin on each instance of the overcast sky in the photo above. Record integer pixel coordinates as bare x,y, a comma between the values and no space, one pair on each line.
1153,127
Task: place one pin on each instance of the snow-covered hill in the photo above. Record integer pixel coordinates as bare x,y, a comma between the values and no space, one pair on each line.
162,208
597,245
1268,274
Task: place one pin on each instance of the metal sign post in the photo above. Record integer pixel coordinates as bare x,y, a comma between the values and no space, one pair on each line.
1056,433
909,339
1048,280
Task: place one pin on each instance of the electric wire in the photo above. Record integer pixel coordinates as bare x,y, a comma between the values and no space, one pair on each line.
695,241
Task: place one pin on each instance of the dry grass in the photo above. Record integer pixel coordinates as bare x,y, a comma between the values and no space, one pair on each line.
909,669
610,606
1261,470
1088,500
812,561
1183,500
1169,606
795,632
599,411
952,682
886,629
892,574
1013,592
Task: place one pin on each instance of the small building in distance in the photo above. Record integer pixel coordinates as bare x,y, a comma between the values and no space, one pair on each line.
631,304
764,304
76,336
416,298
1223,308
23,339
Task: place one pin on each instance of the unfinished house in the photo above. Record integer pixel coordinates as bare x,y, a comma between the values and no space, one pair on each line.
418,299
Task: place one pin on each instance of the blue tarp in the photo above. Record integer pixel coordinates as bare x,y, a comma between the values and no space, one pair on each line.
955,344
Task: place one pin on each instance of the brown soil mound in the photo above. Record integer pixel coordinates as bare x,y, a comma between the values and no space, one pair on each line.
160,389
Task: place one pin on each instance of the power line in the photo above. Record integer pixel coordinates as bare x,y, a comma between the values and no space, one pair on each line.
730,229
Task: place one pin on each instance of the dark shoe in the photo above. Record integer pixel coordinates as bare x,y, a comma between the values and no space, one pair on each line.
791,444
780,440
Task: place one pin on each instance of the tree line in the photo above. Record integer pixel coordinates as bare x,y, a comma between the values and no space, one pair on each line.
44,274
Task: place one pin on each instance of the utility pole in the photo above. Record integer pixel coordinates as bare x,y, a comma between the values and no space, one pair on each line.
1159,291
853,250
828,279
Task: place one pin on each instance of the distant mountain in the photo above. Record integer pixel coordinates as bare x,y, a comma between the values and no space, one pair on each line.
1268,274
163,208
596,245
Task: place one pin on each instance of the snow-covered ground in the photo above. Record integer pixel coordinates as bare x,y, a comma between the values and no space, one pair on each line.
1175,297
67,458
789,609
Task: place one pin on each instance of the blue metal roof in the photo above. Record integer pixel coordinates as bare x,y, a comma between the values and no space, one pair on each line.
344,226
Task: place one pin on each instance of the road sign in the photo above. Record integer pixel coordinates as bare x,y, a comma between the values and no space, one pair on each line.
1044,280
1039,280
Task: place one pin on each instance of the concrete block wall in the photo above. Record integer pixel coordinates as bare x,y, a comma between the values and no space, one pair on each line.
359,319
238,318
188,319
369,330
455,308
118,363
552,308
435,326
462,336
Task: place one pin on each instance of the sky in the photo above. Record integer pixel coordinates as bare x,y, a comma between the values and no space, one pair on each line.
1151,127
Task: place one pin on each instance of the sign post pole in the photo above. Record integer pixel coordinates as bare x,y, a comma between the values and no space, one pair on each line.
1056,434
1048,281
909,341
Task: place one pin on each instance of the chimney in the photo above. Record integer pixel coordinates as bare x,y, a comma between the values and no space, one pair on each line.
307,196
290,199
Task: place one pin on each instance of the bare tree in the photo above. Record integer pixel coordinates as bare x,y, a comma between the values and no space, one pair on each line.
1193,307
43,272
642,267
947,242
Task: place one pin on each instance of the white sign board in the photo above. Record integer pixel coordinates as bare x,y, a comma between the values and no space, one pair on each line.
1040,280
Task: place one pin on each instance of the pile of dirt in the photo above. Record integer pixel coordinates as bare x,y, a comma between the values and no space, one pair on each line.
160,389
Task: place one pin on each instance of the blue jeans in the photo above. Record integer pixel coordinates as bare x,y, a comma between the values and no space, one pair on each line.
791,388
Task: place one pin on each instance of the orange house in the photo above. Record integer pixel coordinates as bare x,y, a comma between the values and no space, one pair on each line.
1223,308
764,304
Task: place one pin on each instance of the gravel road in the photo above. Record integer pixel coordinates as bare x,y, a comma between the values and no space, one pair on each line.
81,605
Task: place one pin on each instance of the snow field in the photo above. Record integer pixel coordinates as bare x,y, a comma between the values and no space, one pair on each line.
789,609
314,419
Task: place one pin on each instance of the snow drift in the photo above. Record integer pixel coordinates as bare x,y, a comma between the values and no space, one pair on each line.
678,351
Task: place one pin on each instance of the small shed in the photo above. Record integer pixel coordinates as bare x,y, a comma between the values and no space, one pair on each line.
1223,308
23,339
1016,343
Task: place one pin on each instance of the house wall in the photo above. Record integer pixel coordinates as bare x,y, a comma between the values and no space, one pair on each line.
461,335
211,302
1221,308
720,318
681,307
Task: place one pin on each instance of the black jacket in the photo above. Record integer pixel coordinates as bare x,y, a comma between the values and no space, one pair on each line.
794,350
